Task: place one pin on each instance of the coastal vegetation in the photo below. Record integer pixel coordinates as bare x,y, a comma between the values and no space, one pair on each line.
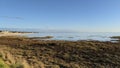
23,52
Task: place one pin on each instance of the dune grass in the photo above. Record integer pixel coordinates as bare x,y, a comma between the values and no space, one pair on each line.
7,61
2,64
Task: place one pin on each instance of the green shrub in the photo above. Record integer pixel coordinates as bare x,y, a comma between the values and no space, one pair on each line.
16,66
3,65
1,55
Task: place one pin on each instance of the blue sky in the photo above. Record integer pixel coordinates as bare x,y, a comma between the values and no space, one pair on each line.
74,15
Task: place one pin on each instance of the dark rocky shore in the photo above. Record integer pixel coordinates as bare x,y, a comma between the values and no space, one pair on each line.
23,52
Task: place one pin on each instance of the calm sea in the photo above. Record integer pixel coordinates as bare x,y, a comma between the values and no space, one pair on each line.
71,36
77,36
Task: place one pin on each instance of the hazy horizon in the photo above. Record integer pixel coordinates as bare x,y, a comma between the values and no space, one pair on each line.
49,30
61,15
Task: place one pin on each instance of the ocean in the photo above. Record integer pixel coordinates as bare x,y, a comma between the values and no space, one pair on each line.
70,36
99,36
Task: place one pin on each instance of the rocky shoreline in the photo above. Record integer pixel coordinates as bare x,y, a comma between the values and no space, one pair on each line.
58,54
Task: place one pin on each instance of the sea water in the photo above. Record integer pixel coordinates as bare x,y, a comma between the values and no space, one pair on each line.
72,36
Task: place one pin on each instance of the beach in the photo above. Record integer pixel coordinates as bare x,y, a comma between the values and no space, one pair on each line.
13,33
60,34
9,34
25,52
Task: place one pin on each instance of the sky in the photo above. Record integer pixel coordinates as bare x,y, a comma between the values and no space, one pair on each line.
72,15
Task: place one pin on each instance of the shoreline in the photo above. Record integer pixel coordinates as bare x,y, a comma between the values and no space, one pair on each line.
59,54
13,33
20,34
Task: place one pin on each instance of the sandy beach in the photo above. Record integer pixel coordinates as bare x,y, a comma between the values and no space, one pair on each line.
10,34
7,33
